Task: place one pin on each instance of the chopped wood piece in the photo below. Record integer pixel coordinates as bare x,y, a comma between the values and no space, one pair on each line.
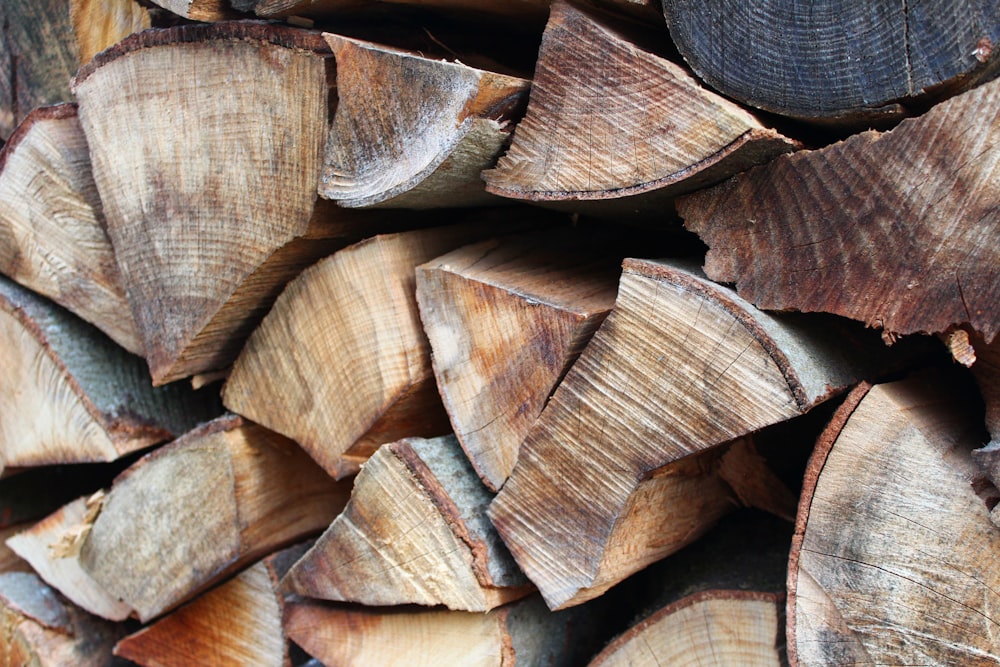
37,58
421,138
202,507
52,238
626,124
523,9
414,532
836,61
37,627
70,395
679,366
200,10
99,24
9,560
356,636
894,229
52,547
208,225
340,364
505,319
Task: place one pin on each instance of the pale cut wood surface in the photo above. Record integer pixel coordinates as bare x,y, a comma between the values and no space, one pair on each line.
99,24
202,507
9,560
679,366
896,229
341,364
195,207
414,532
895,560
421,138
70,395
200,10
52,238
505,319
624,124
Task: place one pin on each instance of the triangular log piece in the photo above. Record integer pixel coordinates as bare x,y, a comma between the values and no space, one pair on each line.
202,507
421,138
524,631
414,532
200,10
850,63
37,627
629,124
505,319
99,24
894,559
895,229
52,547
716,603
679,366
208,225
52,237
341,364
70,395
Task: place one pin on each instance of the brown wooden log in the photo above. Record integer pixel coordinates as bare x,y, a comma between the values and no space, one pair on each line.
37,627
70,395
421,138
52,238
201,508
895,560
99,24
629,124
894,229
680,366
9,560
837,62
200,10
505,319
340,364
414,532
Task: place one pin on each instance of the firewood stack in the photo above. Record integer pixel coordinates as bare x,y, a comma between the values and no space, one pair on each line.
499,333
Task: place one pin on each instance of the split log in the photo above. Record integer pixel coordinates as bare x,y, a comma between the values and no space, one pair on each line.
52,238
414,532
99,24
340,364
422,137
522,633
629,124
68,394
201,508
9,560
894,559
908,249
505,320
836,62
680,366
200,10
37,627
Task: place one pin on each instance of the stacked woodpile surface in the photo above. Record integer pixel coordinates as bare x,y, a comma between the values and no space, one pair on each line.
502,332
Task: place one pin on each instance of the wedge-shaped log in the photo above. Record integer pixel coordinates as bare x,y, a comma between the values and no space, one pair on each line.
38,627
355,636
340,364
680,366
99,24
200,10
201,508
414,532
52,237
505,319
421,137
70,395
627,124
908,249
895,560
209,225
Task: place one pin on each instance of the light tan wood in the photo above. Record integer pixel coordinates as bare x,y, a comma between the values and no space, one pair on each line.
37,627
70,395
680,366
52,238
200,10
627,124
419,139
414,532
99,24
341,364
505,319
895,560
201,508
9,560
